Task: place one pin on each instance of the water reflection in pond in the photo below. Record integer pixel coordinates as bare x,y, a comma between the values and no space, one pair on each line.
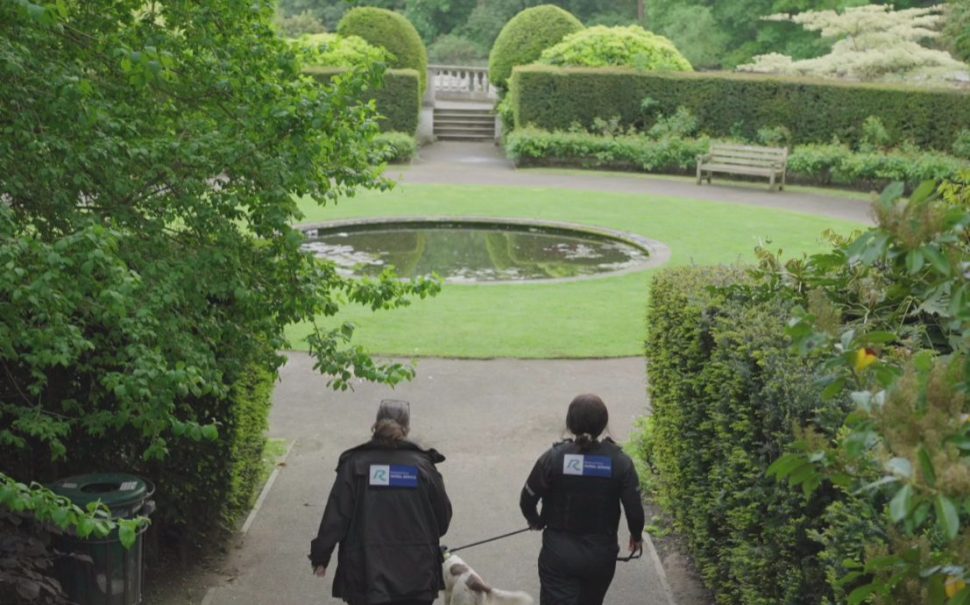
474,254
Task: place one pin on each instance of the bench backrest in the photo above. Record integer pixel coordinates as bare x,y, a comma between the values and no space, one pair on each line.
748,155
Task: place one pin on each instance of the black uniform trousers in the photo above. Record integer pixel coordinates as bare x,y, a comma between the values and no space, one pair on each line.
576,569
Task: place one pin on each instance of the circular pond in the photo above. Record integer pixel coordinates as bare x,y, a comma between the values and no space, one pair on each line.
481,250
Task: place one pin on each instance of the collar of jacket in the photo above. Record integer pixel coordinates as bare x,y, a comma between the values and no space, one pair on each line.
433,455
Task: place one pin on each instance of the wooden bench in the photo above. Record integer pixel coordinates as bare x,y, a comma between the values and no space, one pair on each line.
744,159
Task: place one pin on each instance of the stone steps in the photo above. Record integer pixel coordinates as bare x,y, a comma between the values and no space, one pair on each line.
455,124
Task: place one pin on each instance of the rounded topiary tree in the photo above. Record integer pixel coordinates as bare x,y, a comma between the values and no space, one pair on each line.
390,31
630,46
524,38
334,50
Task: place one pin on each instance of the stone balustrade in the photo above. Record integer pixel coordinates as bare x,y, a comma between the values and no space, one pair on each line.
456,82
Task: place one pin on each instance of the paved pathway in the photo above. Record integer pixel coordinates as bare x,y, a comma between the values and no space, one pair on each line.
491,418
458,163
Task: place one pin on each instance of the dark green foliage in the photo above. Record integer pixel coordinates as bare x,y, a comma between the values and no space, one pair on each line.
391,31
398,99
726,389
957,31
203,487
148,260
524,38
813,111
452,49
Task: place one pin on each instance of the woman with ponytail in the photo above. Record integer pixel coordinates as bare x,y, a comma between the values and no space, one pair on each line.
581,483
387,511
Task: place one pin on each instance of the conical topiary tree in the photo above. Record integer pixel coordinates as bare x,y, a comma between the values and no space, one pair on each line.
391,31
524,38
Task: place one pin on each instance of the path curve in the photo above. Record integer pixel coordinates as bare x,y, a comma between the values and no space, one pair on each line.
457,163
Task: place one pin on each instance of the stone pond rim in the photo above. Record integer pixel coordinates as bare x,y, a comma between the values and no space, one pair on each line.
657,252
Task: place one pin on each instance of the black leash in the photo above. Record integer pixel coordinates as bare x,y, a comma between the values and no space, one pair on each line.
636,554
512,533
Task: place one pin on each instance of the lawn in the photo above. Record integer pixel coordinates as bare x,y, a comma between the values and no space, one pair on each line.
595,318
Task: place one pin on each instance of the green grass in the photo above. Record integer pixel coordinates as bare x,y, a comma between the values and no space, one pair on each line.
587,319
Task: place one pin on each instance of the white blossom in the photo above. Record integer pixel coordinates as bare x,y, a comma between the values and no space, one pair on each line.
871,43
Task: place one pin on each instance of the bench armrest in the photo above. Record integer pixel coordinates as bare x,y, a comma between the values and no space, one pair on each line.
703,157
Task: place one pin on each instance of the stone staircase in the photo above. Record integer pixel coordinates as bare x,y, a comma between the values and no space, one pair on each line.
464,124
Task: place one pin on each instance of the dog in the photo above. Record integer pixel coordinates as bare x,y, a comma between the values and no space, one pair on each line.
465,587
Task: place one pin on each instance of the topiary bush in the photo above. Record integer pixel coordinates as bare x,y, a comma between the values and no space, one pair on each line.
525,37
334,50
398,100
630,46
390,31
738,105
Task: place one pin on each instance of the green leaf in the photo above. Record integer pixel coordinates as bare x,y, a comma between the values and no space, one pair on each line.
891,193
926,465
901,504
924,191
937,260
860,594
127,533
947,517
914,261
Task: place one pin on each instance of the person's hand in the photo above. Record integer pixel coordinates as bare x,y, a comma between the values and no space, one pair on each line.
537,526
319,571
636,545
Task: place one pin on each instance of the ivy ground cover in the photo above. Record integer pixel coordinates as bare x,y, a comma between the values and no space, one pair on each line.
593,318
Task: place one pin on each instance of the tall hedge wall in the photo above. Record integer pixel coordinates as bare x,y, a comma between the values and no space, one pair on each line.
399,101
738,104
726,391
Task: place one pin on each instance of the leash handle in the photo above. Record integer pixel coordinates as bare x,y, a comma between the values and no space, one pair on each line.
511,533
636,554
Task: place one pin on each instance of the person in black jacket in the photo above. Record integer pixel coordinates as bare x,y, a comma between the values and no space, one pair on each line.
387,510
581,483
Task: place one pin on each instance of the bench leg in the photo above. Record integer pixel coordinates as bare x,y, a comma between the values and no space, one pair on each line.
784,174
710,173
698,174
771,182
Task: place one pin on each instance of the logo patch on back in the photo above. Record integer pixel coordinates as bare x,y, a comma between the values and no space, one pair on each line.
393,475
579,465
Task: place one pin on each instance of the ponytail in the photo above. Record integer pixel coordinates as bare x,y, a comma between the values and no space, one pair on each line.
585,441
389,432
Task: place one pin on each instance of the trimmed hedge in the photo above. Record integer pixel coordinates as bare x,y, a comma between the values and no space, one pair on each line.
738,105
532,147
391,31
809,164
525,36
726,390
204,487
398,101
334,50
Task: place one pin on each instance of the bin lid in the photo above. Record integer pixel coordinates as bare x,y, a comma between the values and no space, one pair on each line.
114,490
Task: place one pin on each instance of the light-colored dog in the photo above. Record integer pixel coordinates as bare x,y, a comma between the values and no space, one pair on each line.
465,587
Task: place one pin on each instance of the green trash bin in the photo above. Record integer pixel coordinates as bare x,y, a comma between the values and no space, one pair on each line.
102,571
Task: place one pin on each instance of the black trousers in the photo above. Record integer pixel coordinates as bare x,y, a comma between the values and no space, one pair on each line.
576,569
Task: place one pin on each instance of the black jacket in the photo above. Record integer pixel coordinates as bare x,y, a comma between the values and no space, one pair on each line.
583,495
387,509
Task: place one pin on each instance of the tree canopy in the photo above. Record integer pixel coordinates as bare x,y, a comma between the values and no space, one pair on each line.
150,157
